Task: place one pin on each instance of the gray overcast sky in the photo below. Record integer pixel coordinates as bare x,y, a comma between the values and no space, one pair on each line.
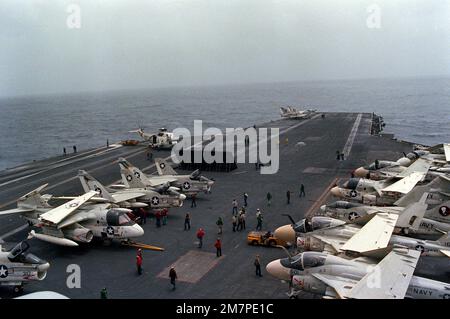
126,44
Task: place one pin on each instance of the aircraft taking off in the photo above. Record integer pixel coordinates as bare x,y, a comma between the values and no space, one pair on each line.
291,113
18,267
191,184
75,221
336,277
161,140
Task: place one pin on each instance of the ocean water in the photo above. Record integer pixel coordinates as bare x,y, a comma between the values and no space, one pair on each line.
37,127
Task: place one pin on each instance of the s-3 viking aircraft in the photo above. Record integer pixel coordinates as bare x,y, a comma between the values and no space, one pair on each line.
336,277
133,177
164,196
161,140
75,221
19,266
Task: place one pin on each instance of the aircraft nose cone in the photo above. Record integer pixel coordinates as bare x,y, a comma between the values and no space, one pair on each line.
285,233
323,208
182,196
43,267
335,191
137,231
210,183
361,172
276,269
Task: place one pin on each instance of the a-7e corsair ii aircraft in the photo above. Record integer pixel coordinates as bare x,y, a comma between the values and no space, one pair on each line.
191,184
19,266
75,221
292,113
336,277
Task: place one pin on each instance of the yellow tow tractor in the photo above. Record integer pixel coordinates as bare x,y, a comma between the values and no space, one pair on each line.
264,238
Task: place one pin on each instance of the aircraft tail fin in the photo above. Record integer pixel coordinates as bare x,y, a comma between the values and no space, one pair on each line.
132,176
444,240
34,199
413,214
89,183
163,167
416,193
440,212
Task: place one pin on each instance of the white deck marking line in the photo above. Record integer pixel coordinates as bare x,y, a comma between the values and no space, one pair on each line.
71,178
351,137
12,232
59,164
144,169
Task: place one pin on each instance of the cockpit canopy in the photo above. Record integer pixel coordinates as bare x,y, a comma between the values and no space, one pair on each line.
343,205
352,183
118,218
305,260
380,164
317,222
19,255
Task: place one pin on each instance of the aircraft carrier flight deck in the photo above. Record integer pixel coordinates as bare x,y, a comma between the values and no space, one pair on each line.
200,273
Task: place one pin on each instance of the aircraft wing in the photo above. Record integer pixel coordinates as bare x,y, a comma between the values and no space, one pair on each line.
125,196
92,199
158,180
340,285
335,243
57,214
447,151
445,252
420,166
16,211
374,235
405,185
76,218
390,278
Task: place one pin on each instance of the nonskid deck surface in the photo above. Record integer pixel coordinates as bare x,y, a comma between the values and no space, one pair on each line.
201,274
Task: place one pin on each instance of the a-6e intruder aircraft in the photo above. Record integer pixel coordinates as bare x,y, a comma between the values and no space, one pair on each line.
133,177
380,193
435,221
163,196
362,278
161,140
18,267
75,221
362,237
381,170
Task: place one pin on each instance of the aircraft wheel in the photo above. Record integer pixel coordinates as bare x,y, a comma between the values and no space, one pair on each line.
254,242
272,242
18,289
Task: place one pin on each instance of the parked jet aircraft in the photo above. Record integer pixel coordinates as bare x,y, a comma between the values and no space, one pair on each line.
377,192
162,140
75,221
335,236
19,266
156,197
363,278
291,113
188,184
347,211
